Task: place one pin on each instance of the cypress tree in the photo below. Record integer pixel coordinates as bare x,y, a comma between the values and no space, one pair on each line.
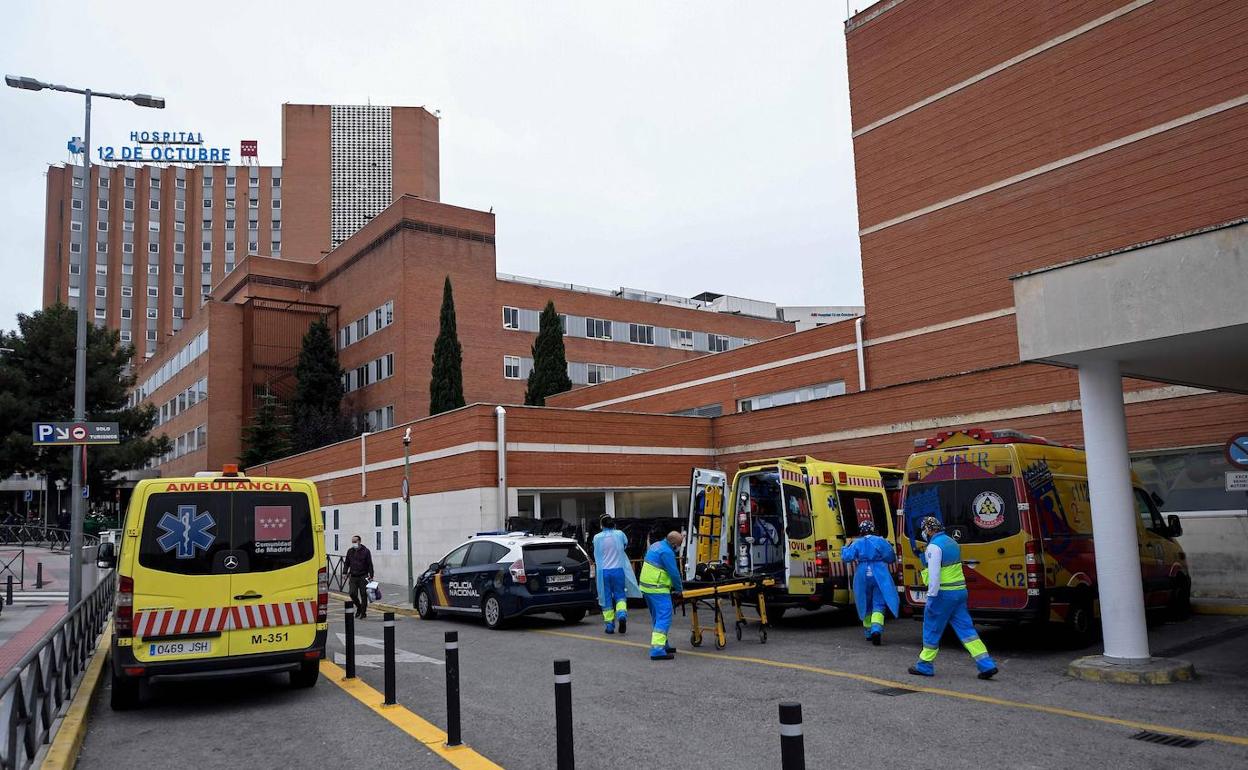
318,391
550,362
446,386
268,435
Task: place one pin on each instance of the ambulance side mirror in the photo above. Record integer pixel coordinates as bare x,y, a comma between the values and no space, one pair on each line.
106,555
1175,528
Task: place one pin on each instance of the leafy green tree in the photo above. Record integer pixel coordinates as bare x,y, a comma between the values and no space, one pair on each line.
268,435
446,386
550,362
316,407
37,384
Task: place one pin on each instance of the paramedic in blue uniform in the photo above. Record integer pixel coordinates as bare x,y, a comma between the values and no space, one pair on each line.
874,589
616,581
660,579
946,603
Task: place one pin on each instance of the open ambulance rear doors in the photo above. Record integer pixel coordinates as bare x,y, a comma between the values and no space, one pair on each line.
709,521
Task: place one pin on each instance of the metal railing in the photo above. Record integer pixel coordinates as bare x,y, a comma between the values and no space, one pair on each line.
52,538
335,564
33,692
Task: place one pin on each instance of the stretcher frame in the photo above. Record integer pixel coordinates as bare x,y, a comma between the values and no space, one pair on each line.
735,590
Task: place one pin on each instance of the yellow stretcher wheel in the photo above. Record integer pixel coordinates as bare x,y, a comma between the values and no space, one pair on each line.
740,625
695,639
720,642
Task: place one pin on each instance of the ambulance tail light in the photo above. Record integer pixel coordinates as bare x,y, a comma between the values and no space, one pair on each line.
823,568
123,621
1033,563
517,571
1003,470
322,595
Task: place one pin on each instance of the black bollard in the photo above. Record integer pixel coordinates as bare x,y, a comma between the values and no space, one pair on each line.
387,638
565,759
452,689
8,590
792,745
349,618
38,574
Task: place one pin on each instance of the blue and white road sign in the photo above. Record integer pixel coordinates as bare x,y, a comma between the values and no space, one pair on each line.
27,496
75,145
1237,451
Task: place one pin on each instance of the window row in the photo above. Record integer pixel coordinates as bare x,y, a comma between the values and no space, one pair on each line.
198,391
518,368
374,371
793,396
374,420
191,441
520,319
176,363
371,322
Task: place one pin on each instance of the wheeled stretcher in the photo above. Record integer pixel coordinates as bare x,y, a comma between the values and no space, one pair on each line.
739,591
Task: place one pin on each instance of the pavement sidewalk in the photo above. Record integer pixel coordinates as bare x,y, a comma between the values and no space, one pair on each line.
34,610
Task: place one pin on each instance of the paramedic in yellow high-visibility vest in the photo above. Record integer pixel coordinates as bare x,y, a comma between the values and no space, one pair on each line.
946,603
660,578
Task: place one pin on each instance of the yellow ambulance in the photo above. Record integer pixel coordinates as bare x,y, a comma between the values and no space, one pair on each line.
1018,506
787,518
218,575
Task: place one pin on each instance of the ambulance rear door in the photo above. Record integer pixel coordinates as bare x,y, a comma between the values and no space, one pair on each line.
708,526
799,529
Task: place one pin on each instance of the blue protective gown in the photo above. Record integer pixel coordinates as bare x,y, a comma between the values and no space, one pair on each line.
873,585
616,584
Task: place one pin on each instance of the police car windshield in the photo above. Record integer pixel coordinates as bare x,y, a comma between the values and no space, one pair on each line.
973,510
195,533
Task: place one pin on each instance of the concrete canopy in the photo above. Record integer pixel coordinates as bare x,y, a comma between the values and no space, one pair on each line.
1174,310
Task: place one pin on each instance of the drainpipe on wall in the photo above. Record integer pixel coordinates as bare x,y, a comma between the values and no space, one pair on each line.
363,466
500,415
862,367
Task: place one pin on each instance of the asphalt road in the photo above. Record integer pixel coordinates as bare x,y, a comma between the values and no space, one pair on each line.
711,708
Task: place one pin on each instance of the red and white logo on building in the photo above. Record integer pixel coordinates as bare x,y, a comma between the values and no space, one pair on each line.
248,148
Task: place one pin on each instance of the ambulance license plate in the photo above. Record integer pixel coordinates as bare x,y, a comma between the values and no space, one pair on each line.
559,579
194,647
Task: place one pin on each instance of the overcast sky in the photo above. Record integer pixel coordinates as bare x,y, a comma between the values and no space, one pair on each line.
676,147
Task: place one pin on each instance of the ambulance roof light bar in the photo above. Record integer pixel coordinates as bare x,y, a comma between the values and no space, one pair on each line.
985,436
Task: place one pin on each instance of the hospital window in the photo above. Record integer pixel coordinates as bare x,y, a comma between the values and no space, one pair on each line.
378,541
682,338
600,373
641,334
395,539
377,517
394,514
598,329
511,318
335,518
717,343
335,543
511,367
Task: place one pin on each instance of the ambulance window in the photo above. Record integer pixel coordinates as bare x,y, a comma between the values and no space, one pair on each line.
859,506
1149,516
797,507
455,558
183,532
273,529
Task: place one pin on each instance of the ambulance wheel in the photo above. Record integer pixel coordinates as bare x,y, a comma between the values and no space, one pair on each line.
424,605
309,671
695,639
492,612
125,693
1080,622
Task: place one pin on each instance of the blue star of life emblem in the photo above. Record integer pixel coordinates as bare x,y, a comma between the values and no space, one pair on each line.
187,531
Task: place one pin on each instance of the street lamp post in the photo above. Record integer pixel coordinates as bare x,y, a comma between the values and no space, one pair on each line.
77,501
407,502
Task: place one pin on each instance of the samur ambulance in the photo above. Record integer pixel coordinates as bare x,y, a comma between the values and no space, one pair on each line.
1019,508
218,575
786,519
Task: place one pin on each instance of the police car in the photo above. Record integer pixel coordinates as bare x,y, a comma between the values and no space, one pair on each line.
502,575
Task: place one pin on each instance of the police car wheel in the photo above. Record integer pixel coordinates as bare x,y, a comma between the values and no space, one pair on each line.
125,693
424,605
573,616
492,612
306,676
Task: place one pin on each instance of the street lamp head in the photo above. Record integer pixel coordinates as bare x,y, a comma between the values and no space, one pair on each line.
28,84
147,100
407,436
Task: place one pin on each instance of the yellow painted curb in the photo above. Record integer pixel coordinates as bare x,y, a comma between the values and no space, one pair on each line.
407,721
1238,740
63,753
1219,608
397,610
